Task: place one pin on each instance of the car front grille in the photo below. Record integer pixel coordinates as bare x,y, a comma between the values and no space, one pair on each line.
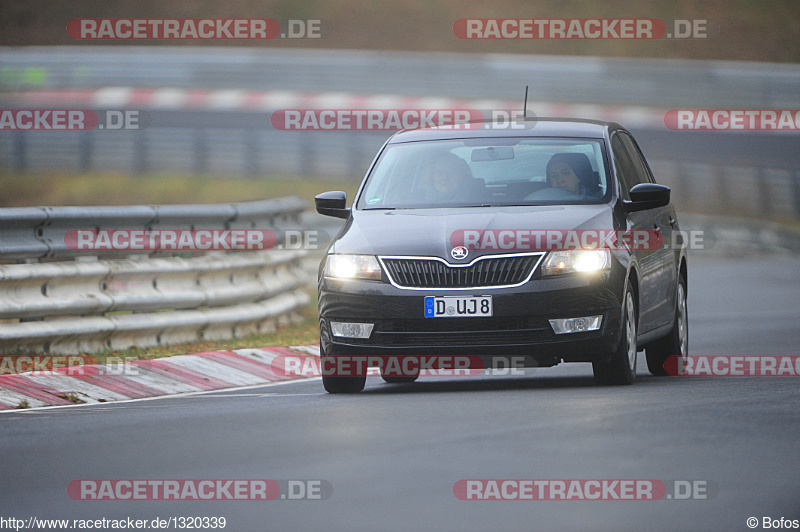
424,272
455,331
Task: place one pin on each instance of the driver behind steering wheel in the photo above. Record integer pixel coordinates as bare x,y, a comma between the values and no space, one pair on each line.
571,172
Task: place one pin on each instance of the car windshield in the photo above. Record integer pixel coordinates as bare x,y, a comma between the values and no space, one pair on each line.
487,172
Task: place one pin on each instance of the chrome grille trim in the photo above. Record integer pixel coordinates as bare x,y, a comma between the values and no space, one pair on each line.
402,270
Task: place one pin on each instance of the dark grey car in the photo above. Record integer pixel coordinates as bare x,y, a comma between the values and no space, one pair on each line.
477,242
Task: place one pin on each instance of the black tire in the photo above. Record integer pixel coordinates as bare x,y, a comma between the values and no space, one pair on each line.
621,367
334,384
398,379
343,384
676,343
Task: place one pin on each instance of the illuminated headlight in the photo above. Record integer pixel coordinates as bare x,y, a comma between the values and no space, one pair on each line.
576,260
353,267
351,330
574,325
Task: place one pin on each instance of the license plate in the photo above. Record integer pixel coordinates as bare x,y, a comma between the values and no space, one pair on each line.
458,307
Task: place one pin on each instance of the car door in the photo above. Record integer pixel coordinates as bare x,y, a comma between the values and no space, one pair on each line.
655,300
663,222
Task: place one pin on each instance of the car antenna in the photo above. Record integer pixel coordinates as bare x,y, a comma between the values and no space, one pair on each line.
525,104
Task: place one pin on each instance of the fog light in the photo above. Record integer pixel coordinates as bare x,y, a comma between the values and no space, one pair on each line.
351,330
574,325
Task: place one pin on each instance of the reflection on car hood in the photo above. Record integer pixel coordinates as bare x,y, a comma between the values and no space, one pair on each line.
428,232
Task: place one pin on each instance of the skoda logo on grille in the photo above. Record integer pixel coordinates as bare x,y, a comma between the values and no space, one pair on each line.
459,252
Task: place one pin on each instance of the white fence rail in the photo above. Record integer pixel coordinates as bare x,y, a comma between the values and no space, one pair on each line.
37,233
50,303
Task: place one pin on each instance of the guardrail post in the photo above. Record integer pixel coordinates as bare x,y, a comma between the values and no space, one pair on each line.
683,183
250,153
140,153
200,151
763,193
85,151
722,187
354,161
20,159
307,154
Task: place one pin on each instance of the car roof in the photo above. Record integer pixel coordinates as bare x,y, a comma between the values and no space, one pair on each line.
533,127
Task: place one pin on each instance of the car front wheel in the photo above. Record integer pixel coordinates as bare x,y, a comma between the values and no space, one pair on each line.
676,343
620,368
334,383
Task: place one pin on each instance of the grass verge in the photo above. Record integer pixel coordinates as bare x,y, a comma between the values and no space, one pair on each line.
54,189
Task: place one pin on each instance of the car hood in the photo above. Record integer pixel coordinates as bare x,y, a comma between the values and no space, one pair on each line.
434,232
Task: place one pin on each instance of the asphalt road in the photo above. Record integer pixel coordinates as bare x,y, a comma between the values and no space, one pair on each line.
394,452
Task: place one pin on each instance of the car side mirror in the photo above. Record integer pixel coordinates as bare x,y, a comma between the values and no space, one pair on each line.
647,196
332,204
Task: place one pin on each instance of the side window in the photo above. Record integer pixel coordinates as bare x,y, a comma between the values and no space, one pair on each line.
639,164
624,167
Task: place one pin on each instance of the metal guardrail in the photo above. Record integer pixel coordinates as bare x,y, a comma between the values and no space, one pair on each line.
86,304
740,237
220,147
35,233
763,184
768,193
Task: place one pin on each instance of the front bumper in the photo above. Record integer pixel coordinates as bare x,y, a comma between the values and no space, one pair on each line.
519,325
